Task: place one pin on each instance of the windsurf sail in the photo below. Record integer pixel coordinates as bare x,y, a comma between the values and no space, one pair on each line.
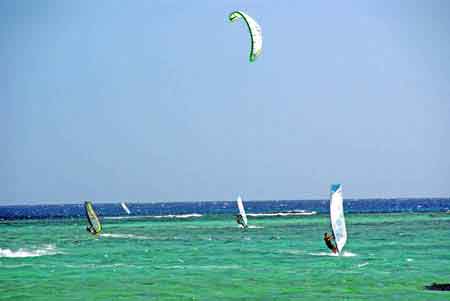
242,211
337,216
92,218
124,206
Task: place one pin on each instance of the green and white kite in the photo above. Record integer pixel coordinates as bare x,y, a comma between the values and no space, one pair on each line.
254,30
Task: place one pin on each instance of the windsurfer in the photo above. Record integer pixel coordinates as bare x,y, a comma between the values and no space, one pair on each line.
91,230
240,220
327,238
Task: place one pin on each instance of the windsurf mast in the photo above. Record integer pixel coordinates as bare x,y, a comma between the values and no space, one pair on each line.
242,212
94,222
337,216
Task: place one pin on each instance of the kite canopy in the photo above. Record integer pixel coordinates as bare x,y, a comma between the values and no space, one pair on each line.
254,30
92,218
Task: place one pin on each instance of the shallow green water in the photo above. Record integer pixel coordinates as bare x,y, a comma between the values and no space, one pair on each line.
387,257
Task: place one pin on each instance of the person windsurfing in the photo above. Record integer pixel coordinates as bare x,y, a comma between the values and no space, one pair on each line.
240,220
328,241
94,226
91,230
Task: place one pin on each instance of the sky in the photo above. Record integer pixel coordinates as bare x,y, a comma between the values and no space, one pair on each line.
157,101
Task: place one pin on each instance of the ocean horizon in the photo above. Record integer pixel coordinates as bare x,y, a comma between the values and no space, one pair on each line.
112,209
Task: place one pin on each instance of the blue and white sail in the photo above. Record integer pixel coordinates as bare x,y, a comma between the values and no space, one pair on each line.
242,211
337,216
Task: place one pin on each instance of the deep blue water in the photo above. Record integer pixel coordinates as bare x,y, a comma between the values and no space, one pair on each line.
224,207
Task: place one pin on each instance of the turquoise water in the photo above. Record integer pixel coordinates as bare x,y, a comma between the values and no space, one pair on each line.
387,257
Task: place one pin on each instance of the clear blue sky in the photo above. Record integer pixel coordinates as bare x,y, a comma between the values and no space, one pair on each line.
156,100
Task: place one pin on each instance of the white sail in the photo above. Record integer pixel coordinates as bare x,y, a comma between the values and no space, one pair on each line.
241,210
124,206
337,216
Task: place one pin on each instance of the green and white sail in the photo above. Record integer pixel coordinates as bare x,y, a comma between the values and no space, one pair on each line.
92,217
254,31
242,210
337,216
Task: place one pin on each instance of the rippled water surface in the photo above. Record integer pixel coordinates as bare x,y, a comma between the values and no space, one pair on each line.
387,256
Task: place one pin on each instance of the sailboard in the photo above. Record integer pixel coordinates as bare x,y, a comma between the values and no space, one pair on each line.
242,211
124,206
92,217
337,216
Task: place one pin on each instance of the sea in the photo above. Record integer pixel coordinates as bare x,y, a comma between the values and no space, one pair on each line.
196,251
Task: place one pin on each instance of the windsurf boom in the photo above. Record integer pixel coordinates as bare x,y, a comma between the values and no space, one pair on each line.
95,227
337,216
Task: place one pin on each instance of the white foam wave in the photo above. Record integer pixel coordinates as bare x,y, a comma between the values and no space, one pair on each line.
324,254
100,266
255,227
14,266
362,264
178,215
290,213
155,216
343,254
23,253
128,236
201,267
125,217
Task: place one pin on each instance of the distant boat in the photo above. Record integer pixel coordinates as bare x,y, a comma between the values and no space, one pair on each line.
95,227
242,217
337,217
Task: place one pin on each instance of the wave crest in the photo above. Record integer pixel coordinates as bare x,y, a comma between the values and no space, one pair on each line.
343,254
117,235
289,213
155,216
24,253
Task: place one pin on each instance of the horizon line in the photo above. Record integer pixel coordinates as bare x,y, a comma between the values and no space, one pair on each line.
40,203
